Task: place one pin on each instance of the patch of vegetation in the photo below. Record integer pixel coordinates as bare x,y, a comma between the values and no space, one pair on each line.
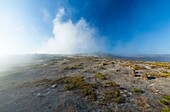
79,66
115,93
112,96
137,67
113,84
164,102
78,82
101,65
112,62
127,64
100,76
167,109
68,67
160,64
108,92
166,97
137,90
163,74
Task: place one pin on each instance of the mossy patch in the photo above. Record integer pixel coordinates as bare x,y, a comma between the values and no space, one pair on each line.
166,97
163,74
113,84
127,65
112,62
79,83
100,76
162,101
137,67
112,96
68,67
167,109
137,90
160,64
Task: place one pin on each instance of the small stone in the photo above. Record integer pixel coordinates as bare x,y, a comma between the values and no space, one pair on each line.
54,86
152,84
129,93
148,67
39,94
125,91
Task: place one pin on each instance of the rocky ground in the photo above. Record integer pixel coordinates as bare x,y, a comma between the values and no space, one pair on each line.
87,84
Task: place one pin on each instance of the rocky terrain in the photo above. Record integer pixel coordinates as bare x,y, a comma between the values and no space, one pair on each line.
86,84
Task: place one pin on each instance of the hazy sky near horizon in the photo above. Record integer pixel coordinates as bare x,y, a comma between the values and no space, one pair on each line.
78,26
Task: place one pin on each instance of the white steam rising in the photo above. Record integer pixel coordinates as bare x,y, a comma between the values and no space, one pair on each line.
71,37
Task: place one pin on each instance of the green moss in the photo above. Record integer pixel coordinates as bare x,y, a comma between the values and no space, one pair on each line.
128,65
64,68
119,100
163,74
164,102
160,64
112,62
78,83
112,96
167,109
166,97
137,90
66,88
100,76
68,67
113,84
102,103
114,93
88,90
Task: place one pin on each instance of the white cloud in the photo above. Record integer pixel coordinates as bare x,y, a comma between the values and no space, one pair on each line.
71,37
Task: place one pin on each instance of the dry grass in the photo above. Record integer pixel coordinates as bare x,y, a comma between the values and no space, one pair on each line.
142,101
159,74
137,67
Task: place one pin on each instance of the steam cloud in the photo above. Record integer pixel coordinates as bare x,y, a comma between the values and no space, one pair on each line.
70,38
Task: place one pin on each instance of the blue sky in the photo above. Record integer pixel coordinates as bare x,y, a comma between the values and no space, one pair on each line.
114,26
